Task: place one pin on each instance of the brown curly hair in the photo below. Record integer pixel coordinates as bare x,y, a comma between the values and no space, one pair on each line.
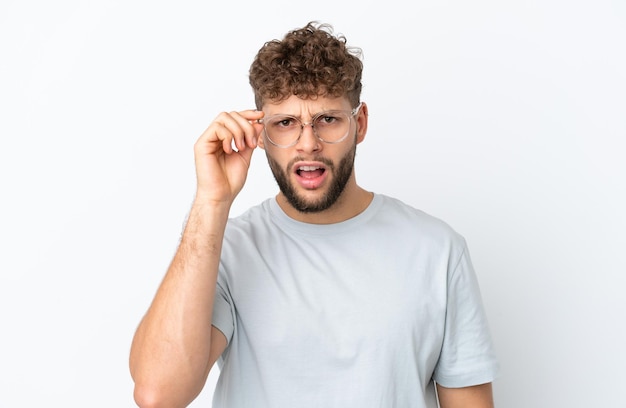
308,62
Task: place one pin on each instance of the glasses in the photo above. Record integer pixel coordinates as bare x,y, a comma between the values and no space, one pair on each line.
331,126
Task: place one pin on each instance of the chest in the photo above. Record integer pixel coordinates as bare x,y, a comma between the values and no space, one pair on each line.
340,300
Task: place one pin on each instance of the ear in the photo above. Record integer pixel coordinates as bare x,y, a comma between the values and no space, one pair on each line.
361,123
260,141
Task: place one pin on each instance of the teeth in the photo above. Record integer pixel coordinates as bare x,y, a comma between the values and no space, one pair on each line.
308,168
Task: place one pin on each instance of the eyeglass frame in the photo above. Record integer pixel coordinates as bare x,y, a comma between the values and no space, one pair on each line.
351,113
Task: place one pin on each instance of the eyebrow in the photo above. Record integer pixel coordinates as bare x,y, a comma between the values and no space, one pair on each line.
312,116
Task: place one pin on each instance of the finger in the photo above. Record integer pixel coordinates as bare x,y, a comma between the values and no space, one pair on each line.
246,156
234,128
251,130
254,137
251,114
211,140
227,129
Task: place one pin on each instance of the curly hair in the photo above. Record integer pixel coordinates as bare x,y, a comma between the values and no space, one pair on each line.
308,62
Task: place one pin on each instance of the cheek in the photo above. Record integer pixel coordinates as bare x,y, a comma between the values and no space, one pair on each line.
275,154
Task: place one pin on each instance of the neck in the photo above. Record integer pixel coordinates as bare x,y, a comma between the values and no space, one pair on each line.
353,201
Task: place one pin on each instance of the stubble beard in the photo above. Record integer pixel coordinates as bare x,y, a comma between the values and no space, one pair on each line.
341,176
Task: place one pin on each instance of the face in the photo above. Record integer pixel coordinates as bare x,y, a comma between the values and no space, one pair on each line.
312,175
338,176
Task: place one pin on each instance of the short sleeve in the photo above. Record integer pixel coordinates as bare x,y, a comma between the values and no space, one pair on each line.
467,357
223,317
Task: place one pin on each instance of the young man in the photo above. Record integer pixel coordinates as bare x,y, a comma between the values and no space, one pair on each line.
327,295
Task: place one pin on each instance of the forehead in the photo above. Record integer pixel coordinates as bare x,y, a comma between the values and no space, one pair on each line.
299,107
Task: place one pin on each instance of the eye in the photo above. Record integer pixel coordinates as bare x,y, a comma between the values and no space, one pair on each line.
283,122
329,119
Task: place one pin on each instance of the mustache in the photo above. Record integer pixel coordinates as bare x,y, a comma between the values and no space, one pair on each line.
327,162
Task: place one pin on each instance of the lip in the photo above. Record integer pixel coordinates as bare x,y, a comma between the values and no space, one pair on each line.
310,175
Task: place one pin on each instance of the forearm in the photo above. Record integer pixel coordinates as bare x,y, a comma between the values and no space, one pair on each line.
170,352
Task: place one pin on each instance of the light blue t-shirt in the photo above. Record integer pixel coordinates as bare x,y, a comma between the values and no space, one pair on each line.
362,313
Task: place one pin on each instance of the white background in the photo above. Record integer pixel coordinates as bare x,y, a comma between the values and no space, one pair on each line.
506,119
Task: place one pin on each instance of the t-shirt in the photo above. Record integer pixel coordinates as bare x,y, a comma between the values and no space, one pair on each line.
367,312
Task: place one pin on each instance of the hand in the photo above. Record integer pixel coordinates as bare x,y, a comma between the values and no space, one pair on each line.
221,171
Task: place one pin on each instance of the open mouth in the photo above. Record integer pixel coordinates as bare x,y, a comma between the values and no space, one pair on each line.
310,172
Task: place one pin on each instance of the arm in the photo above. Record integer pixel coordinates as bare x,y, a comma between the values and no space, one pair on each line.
478,396
175,345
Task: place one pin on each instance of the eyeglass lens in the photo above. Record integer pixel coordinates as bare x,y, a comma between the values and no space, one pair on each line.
330,127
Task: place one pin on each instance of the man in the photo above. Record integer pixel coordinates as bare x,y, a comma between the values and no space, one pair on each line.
327,295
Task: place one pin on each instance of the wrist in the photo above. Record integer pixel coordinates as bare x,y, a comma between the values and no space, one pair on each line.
207,202
207,217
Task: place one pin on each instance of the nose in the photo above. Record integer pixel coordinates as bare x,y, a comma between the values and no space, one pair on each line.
308,141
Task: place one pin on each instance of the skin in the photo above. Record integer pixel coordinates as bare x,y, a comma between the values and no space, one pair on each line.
311,150
341,172
478,396
175,345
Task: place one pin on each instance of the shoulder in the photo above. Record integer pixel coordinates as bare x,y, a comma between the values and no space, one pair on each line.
408,217
251,222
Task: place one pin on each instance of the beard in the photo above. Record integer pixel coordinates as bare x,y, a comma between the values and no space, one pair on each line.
341,174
